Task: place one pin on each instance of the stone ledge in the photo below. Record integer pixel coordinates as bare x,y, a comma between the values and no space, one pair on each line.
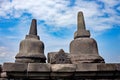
35,71
63,67
108,67
15,67
86,67
97,67
0,70
38,67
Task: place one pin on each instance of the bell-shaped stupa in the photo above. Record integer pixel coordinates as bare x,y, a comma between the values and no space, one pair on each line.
83,49
31,49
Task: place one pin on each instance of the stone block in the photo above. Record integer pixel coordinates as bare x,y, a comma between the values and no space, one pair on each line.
106,67
15,67
63,67
3,75
0,68
118,67
86,67
38,67
38,71
81,33
3,79
38,76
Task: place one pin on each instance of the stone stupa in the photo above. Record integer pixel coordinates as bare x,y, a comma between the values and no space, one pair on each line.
83,49
31,49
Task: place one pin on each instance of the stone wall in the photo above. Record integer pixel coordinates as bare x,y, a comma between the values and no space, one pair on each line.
46,71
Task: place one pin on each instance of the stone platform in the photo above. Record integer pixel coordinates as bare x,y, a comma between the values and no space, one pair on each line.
46,71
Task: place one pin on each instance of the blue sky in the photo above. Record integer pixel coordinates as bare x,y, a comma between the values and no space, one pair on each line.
57,20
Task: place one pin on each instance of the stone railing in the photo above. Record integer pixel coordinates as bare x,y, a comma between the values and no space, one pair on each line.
46,71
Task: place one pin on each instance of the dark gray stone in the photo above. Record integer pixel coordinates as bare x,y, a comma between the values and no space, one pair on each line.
0,70
39,71
83,49
15,70
59,57
38,67
63,67
4,75
33,28
106,67
86,67
62,71
117,67
81,30
31,49
15,67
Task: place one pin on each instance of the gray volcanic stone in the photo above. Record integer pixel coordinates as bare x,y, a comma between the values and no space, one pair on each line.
81,30
106,67
3,75
83,49
39,71
0,68
86,67
38,67
62,71
31,49
63,67
59,57
15,67
117,67
15,70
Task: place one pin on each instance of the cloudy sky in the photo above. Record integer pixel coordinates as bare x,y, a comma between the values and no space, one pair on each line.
57,21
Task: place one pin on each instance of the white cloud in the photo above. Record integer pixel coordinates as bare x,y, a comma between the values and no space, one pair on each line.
55,13
7,53
58,13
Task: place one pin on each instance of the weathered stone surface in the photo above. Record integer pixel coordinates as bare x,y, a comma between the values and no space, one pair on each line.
33,28
0,68
63,67
107,67
39,71
3,79
117,67
15,67
84,46
83,49
4,75
81,30
81,58
62,71
31,49
86,67
38,67
59,57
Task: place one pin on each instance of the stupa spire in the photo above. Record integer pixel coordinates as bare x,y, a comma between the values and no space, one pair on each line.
80,21
81,30
31,48
33,27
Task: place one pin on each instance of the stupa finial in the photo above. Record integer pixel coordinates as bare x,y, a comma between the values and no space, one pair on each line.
33,27
81,30
80,21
